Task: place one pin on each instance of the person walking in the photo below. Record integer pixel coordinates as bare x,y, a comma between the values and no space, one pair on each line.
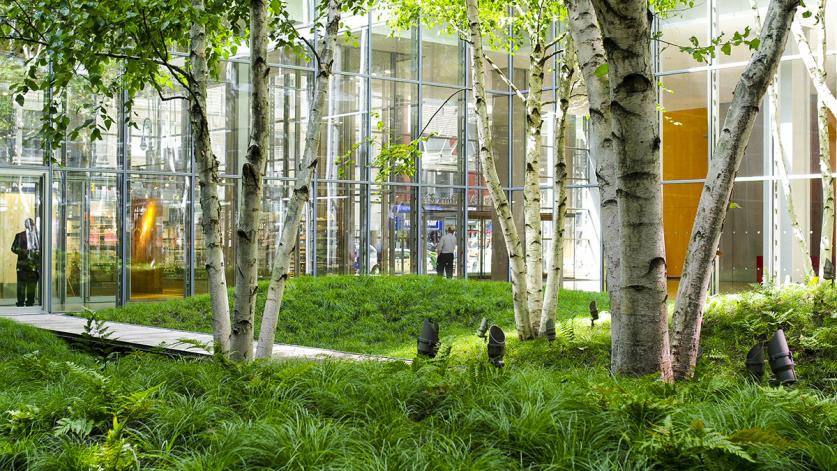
27,247
445,249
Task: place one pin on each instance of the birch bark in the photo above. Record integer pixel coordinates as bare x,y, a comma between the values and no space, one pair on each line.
714,200
305,171
492,180
643,327
559,190
252,173
827,229
587,37
207,166
531,183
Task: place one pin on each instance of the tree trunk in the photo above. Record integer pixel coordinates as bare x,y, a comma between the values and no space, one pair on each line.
207,165
817,75
559,189
492,180
252,173
643,327
587,37
532,184
714,200
305,171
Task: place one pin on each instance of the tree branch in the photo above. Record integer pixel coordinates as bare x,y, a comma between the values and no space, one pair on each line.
504,78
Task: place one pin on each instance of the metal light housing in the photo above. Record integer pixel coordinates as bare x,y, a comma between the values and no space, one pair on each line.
550,330
483,328
428,341
594,312
496,346
780,358
755,362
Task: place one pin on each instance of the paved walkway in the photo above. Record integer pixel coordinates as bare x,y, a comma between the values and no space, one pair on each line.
169,340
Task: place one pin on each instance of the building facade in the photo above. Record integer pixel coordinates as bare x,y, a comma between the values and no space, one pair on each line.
117,219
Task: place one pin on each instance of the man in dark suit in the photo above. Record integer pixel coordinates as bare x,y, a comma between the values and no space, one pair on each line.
27,246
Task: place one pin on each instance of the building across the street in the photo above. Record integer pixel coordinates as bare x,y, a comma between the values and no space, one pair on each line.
117,220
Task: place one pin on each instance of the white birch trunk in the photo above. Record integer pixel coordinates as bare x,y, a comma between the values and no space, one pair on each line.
305,171
207,166
559,190
827,228
587,37
714,200
643,337
492,180
817,74
252,173
531,184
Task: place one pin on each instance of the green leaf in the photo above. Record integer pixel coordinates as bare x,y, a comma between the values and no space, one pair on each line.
734,205
601,71
726,49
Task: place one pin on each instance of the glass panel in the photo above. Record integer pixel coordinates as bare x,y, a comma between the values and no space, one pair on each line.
87,262
227,194
20,141
680,202
790,250
481,221
442,116
82,151
160,140
290,120
685,126
339,249
442,57
158,208
394,53
678,27
582,244
755,161
443,215
742,254
392,229
274,209
394,118
798,119
350,53
21,231
342,137
735,16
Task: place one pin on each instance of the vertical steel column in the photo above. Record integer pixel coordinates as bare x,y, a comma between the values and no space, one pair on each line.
123,199
421,230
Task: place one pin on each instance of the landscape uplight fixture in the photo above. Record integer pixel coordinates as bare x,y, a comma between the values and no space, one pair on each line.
496,346
428,341
594,313
483,328
755,362
550,330
780,358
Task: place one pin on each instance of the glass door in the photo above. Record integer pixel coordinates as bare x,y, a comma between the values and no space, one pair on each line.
21,240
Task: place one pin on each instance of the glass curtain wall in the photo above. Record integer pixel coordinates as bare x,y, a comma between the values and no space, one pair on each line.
757,242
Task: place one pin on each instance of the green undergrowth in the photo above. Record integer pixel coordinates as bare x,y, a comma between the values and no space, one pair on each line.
554,406
362,314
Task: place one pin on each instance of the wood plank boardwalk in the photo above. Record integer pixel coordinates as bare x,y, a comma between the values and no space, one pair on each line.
169,340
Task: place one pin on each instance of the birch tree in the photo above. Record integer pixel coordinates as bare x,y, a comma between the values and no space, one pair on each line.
301,194
826,102
715,197
592,60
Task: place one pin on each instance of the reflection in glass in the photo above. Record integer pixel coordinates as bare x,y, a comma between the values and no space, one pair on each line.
339,249
481,221
290,119
83,151
441,158
86,260
742,264
342,135
442,58
21,241
392,229
160,140
20,141
394,118
394,54
157,212
442,209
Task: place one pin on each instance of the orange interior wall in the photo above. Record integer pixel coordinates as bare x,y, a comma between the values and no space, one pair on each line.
685,151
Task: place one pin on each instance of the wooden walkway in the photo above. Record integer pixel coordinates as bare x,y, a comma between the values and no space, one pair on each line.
169,341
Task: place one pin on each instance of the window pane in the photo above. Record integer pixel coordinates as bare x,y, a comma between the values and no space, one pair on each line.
394,54
442,57
442,210
679,25
341,144
442,115
157,216
339,249
392,229
160,140
20,126
685,131
755,161
742,264
274,210
227,195
394,119
291,105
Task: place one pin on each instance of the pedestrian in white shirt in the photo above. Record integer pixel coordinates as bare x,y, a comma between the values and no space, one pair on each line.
445,249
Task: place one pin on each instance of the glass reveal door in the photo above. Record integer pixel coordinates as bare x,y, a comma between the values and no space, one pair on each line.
21,240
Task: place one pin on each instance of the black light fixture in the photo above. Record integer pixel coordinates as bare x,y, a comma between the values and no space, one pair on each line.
496,346
755,362
483,328
550,330
780,358
428,341
828,271
594,313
